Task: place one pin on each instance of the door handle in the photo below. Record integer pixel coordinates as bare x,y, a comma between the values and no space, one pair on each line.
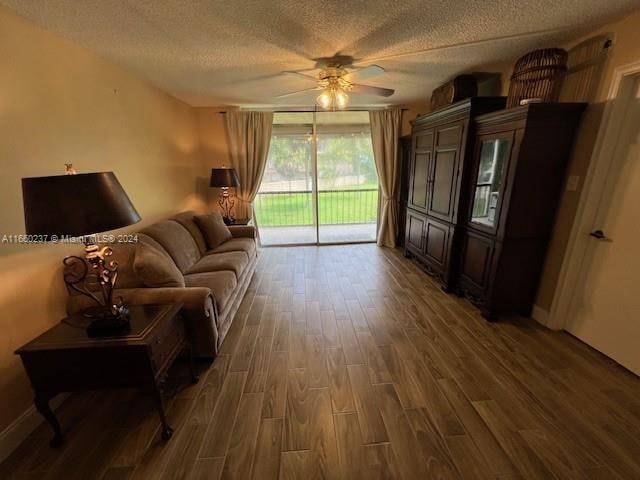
599,234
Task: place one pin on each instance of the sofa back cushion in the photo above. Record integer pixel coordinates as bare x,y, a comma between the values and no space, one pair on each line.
154,267
176,241
214,229
187,220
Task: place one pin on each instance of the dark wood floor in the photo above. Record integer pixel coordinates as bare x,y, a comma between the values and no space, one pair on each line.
348,362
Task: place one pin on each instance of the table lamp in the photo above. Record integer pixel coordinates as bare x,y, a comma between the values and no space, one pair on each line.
224,178
60,207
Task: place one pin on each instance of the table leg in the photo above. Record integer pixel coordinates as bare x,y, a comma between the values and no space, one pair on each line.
194,376
167,431
42,405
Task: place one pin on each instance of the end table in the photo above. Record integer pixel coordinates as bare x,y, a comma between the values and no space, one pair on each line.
66,359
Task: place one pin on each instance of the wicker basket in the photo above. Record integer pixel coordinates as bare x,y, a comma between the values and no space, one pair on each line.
538,74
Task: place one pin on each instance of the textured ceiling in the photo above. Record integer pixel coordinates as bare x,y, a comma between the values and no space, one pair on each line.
210,52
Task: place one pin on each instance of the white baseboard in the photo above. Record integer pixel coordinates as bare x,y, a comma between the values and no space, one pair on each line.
540,315
12,436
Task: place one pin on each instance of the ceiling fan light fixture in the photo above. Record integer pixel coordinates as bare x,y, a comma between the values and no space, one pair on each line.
334,96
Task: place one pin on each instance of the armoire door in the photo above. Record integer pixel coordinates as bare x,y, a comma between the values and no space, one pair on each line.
492,158
415,232
420,166
436,237
443,175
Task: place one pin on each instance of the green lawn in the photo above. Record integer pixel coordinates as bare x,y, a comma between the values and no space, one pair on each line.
334,207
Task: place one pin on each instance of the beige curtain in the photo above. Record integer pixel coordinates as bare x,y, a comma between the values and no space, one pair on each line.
385,135
249,138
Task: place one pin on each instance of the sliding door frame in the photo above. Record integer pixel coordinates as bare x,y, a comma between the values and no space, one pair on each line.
315,197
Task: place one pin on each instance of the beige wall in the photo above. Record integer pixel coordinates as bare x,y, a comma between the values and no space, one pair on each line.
626,50
62,104
214,143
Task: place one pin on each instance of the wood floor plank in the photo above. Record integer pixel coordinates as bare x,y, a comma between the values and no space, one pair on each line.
298,355
316,362
244,351
283,327
295,465
312,318
266,464
438,461
339,383
296,420
239,458
268,320
207,469
492,452
378,372
410,461
322,441
220,427
275,391
350,446
349,341
329,329
380,462
371,424
259,365
525,459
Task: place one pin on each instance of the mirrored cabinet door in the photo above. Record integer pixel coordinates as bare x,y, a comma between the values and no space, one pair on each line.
489,180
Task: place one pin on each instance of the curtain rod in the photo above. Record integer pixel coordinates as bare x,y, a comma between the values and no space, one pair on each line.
307,111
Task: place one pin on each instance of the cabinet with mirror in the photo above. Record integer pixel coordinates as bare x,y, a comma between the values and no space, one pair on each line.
518,172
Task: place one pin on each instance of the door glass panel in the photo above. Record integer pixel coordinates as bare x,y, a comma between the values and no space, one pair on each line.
347,187
489,183
284,204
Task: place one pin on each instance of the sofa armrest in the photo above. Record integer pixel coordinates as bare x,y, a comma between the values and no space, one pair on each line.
198,310
246,231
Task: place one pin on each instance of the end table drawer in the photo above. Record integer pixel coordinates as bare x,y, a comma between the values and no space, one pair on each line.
164,347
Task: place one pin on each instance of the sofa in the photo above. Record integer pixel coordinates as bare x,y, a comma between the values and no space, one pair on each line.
210,282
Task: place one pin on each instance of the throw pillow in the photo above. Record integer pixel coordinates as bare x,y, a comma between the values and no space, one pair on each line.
213,228
155,268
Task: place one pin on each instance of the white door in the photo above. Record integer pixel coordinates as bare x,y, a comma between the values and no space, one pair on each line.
605,311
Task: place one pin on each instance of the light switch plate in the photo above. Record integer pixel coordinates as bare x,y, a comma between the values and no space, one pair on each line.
572,183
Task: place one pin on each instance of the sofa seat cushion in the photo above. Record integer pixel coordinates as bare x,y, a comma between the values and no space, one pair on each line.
176,241
222,284
247,245
234,261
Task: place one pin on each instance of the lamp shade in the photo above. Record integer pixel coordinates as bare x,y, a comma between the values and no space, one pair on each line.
224,177
76,205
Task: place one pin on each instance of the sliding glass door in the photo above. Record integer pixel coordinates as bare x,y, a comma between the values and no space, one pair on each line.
320,183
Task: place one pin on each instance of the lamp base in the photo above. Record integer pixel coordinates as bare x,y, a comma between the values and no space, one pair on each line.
106,324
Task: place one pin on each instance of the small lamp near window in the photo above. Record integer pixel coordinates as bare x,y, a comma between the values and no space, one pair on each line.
70,206
224,178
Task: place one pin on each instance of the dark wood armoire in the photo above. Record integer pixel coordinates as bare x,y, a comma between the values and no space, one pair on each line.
404,155
441,153
517,174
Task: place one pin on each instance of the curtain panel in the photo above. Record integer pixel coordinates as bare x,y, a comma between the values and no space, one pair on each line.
385,137
249,139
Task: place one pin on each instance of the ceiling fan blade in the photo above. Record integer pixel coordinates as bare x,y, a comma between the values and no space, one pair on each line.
364,73
370,90
298,91
298,74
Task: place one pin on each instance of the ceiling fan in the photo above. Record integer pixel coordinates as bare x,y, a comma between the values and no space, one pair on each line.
336,79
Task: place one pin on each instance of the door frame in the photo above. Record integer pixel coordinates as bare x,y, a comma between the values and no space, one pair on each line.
601,164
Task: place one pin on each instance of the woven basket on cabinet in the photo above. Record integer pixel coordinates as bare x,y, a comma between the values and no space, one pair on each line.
538,74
